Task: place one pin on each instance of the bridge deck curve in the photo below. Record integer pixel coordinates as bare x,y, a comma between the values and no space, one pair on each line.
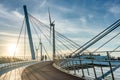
45,71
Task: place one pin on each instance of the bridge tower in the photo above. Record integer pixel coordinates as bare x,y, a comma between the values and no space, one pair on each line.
52,27
29,32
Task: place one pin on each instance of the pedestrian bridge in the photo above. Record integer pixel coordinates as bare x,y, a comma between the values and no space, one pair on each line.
69,60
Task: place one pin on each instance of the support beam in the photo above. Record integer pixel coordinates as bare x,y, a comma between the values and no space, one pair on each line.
41,50
54,41
29,32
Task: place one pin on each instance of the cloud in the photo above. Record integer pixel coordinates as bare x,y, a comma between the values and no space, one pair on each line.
115,9
11,20
83,20
90,16
42,4
64,9
17,14
7,14
8,34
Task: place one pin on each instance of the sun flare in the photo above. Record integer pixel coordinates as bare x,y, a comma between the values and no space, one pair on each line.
11,49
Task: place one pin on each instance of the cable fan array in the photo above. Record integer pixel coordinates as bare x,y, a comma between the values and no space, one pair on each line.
42,39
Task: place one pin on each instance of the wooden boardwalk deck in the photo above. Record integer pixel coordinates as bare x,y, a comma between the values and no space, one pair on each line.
45,71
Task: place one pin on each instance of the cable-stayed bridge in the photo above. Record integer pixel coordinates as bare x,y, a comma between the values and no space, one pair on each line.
53,56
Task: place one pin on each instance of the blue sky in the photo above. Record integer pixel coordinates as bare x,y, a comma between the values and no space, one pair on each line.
79,20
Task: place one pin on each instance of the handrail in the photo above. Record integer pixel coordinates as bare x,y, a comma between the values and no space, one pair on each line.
76,63
14,65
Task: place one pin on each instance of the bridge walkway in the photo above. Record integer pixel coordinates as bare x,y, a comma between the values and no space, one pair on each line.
45,71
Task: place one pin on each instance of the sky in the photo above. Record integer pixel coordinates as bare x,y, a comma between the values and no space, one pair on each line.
79,20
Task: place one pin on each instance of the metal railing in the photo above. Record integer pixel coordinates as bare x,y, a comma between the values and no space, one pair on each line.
8,66
89,63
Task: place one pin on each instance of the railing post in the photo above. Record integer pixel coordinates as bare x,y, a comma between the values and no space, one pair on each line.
67,67
110,66
68,64
87,69
81,66
102,70
93,67
59,62
74,67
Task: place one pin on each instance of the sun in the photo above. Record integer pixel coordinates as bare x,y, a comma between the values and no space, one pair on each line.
11,49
